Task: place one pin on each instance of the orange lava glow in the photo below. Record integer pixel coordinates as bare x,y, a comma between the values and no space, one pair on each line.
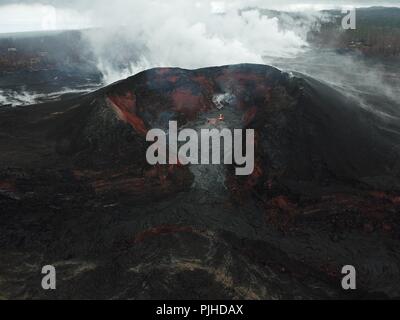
125,107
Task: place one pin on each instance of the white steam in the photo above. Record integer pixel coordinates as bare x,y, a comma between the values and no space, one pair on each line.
133,35
39,17
376,85
24,98
187,34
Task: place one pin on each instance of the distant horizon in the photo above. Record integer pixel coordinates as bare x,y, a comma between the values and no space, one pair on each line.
30,17
2,34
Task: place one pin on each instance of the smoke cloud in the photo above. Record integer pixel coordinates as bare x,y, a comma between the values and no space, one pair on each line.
130,36
187,34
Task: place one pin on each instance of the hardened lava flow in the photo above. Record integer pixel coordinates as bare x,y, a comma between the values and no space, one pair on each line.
77,192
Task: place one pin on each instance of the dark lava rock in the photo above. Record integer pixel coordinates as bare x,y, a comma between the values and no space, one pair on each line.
76,192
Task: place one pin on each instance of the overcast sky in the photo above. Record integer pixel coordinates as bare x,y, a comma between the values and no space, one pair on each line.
30,15
83,3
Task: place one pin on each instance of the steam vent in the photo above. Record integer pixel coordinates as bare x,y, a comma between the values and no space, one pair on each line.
77,192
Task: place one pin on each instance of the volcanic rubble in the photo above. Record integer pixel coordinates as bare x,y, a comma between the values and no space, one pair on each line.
77,192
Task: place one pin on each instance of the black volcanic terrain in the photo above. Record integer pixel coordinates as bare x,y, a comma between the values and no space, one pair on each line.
76,192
